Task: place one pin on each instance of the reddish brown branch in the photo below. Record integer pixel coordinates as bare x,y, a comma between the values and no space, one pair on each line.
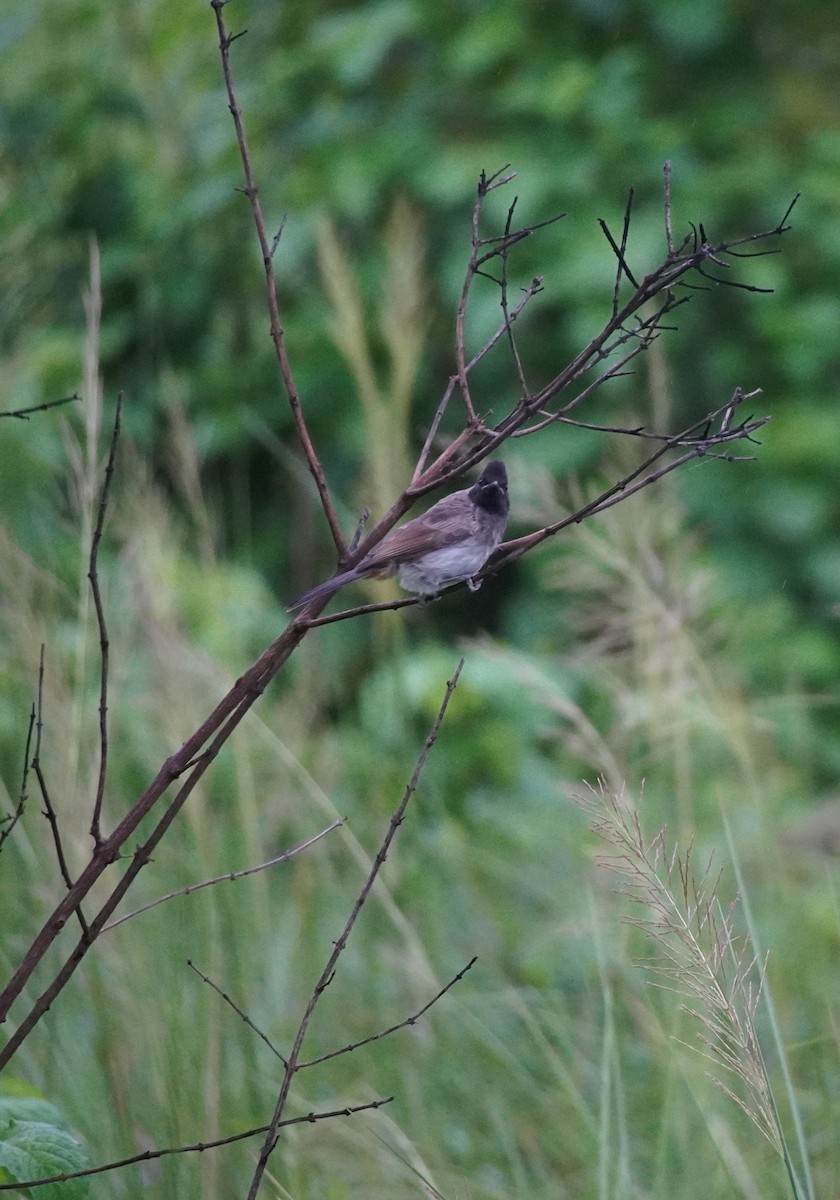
239,1012
197,1147
277,333
293,1062
647,473
104,645
485,185
706,444
404,1024
8,822
228,877
49,810
218,726
662,281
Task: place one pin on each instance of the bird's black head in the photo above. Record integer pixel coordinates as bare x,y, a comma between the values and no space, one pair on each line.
490,491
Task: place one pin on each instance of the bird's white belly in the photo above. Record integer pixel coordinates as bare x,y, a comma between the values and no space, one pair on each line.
448,565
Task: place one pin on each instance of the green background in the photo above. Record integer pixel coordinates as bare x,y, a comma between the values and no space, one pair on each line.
687,643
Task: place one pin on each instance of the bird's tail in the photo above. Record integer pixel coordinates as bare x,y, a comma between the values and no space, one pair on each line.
325,589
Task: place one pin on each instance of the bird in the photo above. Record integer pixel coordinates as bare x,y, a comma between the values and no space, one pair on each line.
448,544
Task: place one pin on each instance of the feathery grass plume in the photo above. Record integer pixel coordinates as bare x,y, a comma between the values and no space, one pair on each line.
385,393
700,956
383,362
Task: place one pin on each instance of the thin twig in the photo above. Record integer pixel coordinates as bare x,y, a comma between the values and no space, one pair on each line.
503,285
8,822
433,428
375,1037
461,313
641,477
499,247
239,1012
361,610
23,414
328,972
275,241
651,435
104,645
364,517
669,228
196,1147
467,449
696,447
622,268
645,333
662,280
277,334
510,551
49,810
219,725
228,876
528,293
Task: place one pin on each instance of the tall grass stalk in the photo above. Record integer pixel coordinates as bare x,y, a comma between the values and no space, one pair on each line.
807,1186
700,957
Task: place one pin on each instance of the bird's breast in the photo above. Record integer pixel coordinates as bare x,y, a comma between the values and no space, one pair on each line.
451,564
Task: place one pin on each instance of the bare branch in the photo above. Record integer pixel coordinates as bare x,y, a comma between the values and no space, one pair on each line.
326,977
275,241
49,810
244,1016
277,335
669,227
643,475
639,431
8,822
364,517
528,293
619,251
498,247
468,448
219,725
104,645
434,427
228,876
375,1037
23,414
503,287
196,1147
361,610
484,187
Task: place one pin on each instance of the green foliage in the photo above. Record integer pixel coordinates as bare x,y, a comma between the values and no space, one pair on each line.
551,1061
348,107
35,1143
703,665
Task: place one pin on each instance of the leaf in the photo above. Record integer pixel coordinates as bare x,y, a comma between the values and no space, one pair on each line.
39,1149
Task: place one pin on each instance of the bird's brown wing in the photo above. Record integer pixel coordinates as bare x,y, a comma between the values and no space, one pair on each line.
449,521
